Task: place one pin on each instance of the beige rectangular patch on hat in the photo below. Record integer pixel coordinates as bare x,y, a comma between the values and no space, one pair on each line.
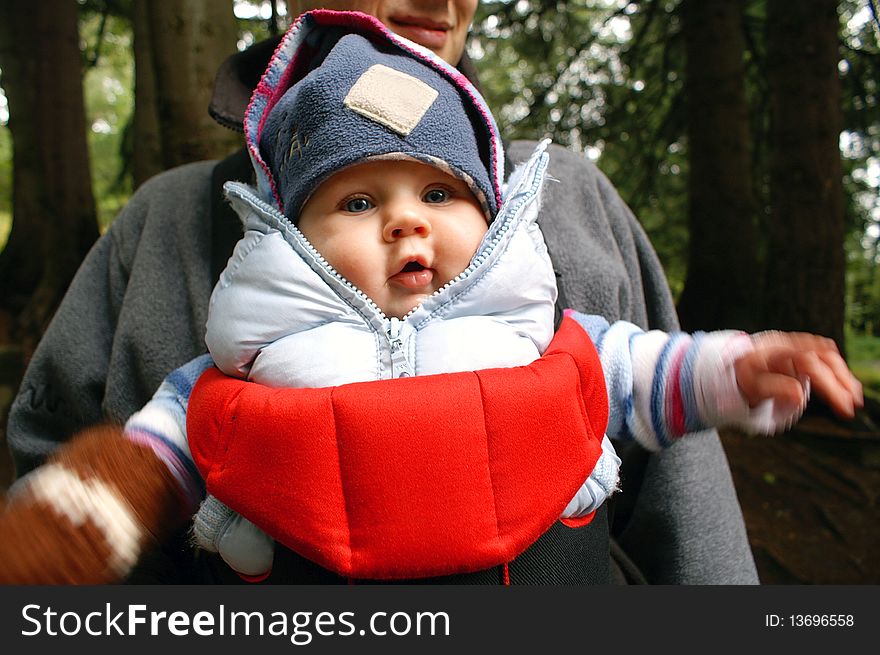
392,98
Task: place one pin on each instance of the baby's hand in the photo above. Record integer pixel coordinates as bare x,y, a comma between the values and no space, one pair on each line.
782,363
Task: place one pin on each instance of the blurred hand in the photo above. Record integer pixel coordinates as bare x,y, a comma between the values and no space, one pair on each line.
784,366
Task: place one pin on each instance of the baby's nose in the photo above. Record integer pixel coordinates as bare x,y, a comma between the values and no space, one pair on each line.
407,221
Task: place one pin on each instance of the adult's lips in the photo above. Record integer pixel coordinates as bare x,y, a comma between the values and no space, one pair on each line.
413,275
424,31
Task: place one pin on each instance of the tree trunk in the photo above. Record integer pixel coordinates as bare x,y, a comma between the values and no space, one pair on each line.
54,218
806,263
723,276
179,44
147,150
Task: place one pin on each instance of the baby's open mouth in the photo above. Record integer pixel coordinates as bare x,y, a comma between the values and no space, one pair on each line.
414,276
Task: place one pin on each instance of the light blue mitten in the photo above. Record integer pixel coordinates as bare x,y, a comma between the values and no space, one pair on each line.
243,546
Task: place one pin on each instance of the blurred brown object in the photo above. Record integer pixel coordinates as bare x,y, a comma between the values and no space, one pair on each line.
87,515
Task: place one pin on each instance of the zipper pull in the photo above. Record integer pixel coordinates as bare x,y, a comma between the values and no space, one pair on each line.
399,365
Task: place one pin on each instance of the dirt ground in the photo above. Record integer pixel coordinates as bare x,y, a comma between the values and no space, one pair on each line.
811,497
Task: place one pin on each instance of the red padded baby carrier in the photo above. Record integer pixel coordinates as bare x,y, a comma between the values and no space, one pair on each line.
411,477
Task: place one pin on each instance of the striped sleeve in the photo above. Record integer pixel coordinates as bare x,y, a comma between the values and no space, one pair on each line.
161,425
662,386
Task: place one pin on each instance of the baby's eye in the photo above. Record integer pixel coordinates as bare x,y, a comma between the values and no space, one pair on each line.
436,196
357,205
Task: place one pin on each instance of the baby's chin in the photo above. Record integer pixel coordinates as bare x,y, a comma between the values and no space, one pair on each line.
400,308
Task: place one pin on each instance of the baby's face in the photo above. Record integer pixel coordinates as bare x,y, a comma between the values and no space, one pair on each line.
397,230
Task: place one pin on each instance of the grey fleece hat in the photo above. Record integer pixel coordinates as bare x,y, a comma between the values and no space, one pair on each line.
374,100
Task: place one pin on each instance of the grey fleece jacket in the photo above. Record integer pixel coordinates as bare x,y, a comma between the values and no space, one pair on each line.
137,310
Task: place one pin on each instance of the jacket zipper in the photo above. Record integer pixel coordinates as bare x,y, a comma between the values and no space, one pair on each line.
400,367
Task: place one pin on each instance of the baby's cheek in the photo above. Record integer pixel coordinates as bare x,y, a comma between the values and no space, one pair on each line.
346,260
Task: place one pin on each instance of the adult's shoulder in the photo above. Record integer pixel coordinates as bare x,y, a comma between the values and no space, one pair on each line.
181,187
579,185
168,203
561,158
171,178
605,262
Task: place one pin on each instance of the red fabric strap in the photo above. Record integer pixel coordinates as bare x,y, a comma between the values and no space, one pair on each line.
411,477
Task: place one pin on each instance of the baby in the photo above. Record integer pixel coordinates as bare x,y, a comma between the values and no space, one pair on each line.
382,263
380,243
395,253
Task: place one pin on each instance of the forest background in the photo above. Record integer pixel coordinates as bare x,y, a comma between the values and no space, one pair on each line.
744,134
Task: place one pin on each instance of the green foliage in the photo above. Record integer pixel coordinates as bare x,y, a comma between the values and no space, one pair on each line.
863,348
108,84
863,356
605,77
860,147
255,21
107,43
